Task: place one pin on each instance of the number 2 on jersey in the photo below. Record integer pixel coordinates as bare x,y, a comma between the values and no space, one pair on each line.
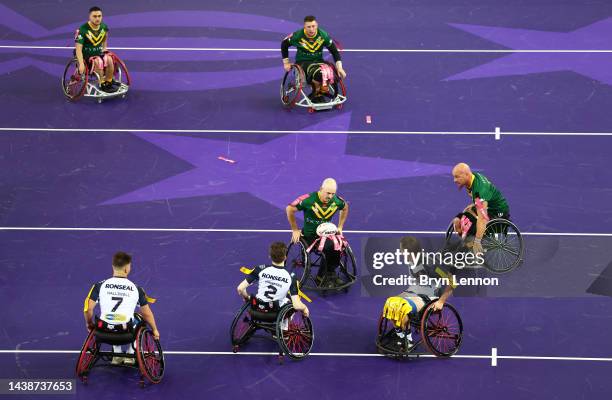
270,292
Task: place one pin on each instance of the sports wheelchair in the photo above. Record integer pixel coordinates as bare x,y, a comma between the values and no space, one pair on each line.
292,90
502,243
148,353
436,332
290,329
305,262
76,85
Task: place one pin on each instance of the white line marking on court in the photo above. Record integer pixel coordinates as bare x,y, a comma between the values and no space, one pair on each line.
221,230
497,133
276,50
252,131
493,355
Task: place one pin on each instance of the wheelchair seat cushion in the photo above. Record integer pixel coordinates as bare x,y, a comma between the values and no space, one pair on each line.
114,338
263,316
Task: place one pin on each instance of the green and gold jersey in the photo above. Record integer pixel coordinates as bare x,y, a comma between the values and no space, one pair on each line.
315,212
309,49
482,188
92,40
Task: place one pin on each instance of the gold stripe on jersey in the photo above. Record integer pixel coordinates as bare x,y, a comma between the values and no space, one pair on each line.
96,40
312,47
324,214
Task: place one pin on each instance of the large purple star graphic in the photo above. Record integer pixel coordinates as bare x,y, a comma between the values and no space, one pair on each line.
597,36
277,171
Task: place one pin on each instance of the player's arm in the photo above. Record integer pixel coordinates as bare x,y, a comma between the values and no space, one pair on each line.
285,44
105,43
242,289
481,221
295,231
251,277
296,302
448,290
90,305
79,56
88,314
333,49
147,315
146,312
299,305
343,217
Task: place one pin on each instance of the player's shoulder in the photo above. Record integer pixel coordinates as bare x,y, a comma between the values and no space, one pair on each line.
323,33
305,199
294,35
84,27
339,200
104,26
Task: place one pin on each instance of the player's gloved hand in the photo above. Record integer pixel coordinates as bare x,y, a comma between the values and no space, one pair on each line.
295,236
286,65
438,305
81,68
156,334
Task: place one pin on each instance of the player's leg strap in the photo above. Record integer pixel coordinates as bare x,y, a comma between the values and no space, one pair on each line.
397,308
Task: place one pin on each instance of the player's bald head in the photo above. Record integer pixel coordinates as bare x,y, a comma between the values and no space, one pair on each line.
328,190
462,175
329,183
462,168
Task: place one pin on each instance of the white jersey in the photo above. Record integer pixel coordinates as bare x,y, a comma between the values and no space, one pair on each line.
274,283
118,298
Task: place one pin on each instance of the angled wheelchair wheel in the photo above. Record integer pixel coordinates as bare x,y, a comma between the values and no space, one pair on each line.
121,73
74,84
242,327
442,331
503,246
347,270
387,341
149,355
338,88
291,86
294,332
88,356
298,262
311,281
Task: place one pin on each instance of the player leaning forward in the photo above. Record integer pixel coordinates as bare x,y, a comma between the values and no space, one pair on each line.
320,207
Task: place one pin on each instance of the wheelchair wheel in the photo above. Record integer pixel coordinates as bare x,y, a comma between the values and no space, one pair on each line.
387,342
347,270
74,84
503,245
316,260
298,262
338,88
442,331
121,73
294,333
88,356
291,87
149,355
242,327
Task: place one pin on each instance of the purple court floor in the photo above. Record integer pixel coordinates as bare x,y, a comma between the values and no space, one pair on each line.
79,181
